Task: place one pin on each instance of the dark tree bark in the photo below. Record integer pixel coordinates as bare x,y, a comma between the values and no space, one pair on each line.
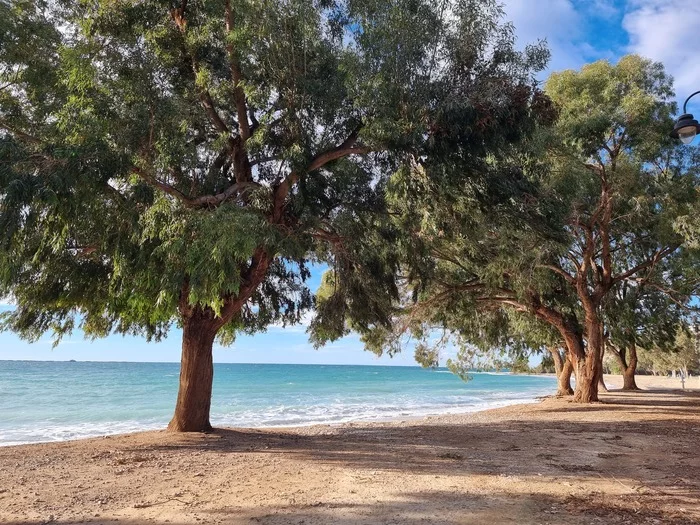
200,326
196,374
563,369
629,368
589,369
601,379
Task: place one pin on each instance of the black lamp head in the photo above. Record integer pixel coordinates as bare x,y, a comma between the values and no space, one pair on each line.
686,128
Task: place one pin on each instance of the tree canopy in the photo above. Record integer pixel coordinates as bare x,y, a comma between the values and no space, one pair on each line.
596,210
183,163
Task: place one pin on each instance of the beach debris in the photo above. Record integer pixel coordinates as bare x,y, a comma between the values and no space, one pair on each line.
145,505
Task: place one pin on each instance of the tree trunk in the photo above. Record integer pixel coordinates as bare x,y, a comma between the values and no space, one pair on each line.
564,380
196,375
564,369
558,361
601,383
587,379
589,368
628,368
603,340
628,381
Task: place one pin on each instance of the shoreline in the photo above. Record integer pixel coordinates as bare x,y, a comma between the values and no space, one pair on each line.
649,383
449,411
629,459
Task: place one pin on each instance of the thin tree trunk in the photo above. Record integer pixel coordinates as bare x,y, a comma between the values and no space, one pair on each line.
628,381
558,361
601,383
564,380
629,369
196,376
603,339
563,369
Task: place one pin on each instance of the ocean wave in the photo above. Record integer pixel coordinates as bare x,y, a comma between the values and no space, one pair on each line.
275,417
49,404
46,433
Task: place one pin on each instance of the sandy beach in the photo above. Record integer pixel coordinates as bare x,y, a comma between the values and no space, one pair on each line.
631,459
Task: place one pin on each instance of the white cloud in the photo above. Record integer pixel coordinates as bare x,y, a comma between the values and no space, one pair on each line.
557,21
601,8
667,31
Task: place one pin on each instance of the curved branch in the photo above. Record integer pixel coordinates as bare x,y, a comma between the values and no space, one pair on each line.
19,133
343,150
646,264
215,200
164,187
568,277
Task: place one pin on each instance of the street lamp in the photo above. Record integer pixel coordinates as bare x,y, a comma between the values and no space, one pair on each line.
686,126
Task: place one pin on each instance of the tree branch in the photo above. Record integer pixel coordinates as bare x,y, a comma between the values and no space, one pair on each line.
19,133
646,264
164,187
343,150
215,200
236,78
569,278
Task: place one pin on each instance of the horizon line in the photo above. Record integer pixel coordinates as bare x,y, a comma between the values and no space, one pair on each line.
216,363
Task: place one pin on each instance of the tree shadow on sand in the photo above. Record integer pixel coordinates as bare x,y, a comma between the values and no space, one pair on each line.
652,464
435,508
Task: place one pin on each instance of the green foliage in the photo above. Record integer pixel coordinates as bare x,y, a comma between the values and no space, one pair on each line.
681,355
160,159
547,239
520,365
546,366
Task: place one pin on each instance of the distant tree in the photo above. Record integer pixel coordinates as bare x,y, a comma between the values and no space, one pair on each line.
639,317
181,163
681,355
546,366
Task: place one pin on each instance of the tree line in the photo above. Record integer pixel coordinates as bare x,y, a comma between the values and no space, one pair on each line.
184,164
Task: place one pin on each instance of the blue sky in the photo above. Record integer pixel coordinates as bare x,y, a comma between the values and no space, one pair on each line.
577,31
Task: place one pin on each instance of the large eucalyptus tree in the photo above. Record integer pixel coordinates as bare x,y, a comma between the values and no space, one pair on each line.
597,204
179,163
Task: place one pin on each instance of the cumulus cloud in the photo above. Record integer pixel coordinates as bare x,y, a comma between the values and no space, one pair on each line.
557,21
667,31
601,8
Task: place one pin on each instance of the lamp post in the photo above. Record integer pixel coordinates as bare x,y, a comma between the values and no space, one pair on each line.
686,126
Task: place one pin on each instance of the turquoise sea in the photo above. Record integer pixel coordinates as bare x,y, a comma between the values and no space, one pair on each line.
55,401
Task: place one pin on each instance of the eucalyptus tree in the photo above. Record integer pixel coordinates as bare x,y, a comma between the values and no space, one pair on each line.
681,354
593,202
639,317
633,186
504,330
181,163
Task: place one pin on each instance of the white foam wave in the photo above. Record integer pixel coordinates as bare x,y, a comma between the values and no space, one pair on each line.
42,433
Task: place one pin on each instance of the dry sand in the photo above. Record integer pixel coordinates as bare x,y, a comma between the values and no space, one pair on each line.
631,459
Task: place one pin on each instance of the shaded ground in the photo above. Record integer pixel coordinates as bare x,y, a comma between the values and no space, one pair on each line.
632,459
